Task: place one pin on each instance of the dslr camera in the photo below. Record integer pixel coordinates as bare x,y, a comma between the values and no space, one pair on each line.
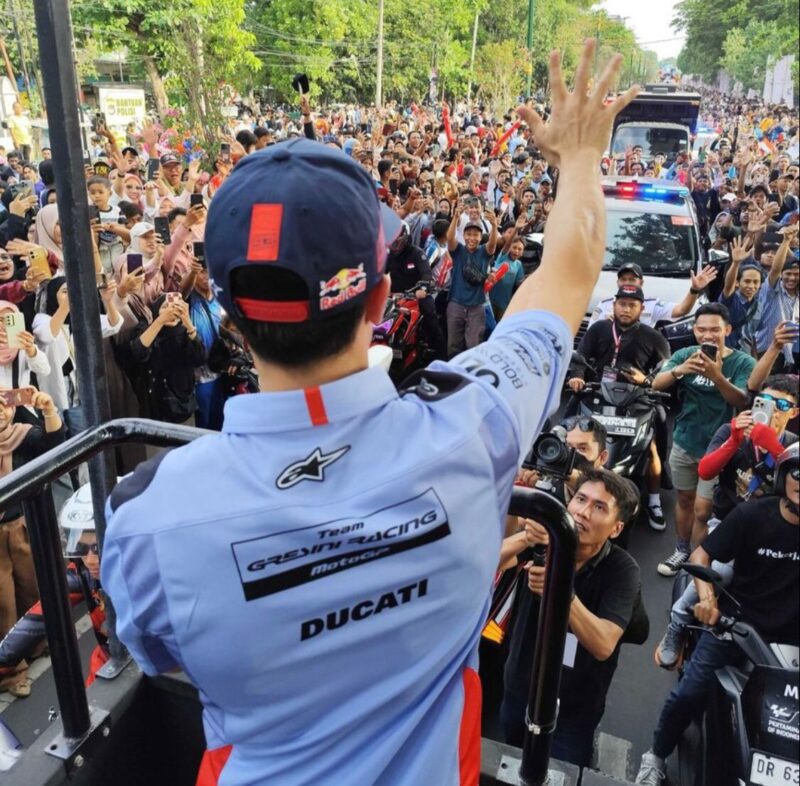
551,455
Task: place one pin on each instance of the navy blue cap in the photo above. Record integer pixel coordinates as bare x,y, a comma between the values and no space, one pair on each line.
307,208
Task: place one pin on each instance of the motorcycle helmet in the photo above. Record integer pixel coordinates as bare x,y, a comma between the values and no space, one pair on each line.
788,463
402,240
75,518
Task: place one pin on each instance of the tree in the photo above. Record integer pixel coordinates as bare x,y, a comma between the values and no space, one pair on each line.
500,72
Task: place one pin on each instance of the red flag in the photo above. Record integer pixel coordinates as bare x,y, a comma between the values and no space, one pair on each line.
503,139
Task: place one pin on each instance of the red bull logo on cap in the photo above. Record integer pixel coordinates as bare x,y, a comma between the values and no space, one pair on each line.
345,285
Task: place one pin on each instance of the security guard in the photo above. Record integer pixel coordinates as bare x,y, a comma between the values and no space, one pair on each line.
321,569
655,310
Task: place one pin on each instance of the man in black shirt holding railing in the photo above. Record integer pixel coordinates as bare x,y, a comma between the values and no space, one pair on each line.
635,350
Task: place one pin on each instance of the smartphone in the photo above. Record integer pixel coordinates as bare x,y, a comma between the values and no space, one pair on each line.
101,279
763,410
173,297
162,229
134,262
14,324
21,190
225,153
393,187
364,127
196,200
199,252
17,397
153,165
94,215
37,260
709,350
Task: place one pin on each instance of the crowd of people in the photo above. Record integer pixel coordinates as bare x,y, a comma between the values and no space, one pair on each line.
470,188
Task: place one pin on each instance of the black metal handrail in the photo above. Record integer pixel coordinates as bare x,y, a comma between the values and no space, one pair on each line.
30,484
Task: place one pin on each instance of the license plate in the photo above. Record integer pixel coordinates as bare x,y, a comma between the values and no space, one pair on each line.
621,426
770,771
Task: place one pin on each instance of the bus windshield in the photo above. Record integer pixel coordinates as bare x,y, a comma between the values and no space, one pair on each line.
654,141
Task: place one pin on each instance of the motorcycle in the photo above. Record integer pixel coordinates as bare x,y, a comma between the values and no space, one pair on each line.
629,414
751,727
400,331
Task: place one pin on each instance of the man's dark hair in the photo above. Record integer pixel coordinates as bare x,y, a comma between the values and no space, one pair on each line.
404,187
175,212
439,228
384,166
98,180
46,173
619,488
290,344
246,139
715,310
598,430
260,131
745,268
784,383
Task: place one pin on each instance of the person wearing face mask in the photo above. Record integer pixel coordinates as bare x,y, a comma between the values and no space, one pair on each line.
19,444
606,597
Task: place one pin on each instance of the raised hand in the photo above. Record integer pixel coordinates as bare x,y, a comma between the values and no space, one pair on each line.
740,249
580,123
702,279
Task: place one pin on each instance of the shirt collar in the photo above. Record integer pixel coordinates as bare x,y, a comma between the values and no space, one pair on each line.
591,564
305,408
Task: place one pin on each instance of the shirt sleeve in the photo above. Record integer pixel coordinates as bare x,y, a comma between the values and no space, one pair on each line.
742,371
130,575
619,594
676,359
522,366
726,540
662,312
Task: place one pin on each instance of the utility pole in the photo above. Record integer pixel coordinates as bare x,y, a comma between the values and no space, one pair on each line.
530,45
472,57
379,78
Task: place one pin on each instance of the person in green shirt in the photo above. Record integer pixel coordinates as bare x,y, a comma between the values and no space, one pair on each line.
712,384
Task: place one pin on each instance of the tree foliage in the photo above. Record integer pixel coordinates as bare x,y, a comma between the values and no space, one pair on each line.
739,36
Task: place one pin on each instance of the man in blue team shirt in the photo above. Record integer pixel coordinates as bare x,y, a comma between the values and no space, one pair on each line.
338,540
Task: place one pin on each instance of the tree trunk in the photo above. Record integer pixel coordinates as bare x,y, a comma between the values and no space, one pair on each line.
157,83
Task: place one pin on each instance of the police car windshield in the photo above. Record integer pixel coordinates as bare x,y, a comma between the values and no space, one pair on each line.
667,141
663,245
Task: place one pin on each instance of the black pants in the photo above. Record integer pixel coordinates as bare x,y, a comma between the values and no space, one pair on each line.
430,327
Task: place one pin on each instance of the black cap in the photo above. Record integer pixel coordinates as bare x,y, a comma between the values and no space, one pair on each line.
630,291
631,267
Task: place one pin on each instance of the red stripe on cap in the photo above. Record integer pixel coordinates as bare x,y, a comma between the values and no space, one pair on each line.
265,233
316,407
274,310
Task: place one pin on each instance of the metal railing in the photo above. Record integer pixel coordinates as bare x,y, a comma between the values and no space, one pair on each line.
30,485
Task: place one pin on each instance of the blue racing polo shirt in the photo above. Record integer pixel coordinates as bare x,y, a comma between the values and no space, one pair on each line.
322,568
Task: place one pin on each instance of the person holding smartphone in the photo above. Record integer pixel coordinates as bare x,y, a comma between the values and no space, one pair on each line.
19,444
712,383
19,356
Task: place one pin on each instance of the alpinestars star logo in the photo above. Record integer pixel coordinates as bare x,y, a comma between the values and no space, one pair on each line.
311,468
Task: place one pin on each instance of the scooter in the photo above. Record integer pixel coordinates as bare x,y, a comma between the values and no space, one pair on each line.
629,414
751,727
400,330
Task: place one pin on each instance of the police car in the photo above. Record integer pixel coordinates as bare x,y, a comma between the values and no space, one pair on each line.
652,223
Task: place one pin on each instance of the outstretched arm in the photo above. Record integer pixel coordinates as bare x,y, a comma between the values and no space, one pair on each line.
573,140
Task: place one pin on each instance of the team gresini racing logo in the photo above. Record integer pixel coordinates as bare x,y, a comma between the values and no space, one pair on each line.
289,558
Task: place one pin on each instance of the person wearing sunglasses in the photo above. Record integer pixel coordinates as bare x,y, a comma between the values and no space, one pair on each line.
742,454
82,553
762,537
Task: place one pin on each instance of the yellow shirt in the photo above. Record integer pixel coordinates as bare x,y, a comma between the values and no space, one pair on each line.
20,128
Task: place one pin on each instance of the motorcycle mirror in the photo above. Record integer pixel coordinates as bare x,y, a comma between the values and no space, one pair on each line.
703,573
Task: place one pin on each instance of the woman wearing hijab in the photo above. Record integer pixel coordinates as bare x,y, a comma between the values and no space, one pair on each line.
53,333
19,443
167,351
144,241
15,364
48,232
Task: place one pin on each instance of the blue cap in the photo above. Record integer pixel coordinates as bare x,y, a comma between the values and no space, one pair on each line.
309,209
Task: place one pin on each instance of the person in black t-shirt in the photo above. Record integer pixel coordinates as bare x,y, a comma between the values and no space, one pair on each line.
607,584
636,349
763,537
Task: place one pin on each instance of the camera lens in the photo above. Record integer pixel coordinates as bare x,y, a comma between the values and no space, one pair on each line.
550,449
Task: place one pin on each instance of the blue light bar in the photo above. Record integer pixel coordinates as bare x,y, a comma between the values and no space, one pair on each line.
635,190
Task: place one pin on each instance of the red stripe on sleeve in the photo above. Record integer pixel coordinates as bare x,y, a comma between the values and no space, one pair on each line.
469,737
